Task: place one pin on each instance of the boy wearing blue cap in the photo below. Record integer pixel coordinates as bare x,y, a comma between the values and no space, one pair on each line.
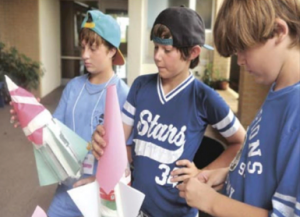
168,113
82,104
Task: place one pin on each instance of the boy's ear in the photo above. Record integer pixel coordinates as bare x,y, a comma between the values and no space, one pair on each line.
112,52
195,51
281,30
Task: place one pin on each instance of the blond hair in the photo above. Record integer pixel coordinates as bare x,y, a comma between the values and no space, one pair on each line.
241,24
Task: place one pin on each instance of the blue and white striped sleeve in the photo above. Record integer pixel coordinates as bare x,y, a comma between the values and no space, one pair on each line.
227,126
297,205
285,205
220,116
128,113
286,199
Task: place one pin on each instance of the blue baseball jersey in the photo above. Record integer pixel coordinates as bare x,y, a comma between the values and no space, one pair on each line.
167,128
266,172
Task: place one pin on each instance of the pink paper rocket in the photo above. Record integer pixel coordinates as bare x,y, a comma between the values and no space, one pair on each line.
113,163
39,212
31,114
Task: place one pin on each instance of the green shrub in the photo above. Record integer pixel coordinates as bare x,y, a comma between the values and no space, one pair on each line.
20,68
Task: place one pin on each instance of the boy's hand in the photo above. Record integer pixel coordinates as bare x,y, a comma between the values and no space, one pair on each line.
197,194
214,178
188,170
14,118
98,142
84,181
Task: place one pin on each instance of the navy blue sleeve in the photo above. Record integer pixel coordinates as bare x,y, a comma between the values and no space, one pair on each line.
218,113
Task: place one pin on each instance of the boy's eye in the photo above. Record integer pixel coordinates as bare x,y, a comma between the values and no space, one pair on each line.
93,48
167,51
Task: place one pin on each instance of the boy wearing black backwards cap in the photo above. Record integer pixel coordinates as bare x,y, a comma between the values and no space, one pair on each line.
168,113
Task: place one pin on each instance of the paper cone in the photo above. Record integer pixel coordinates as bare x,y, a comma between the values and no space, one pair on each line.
39,212
31,114
128,199
112,164
87,199
58,151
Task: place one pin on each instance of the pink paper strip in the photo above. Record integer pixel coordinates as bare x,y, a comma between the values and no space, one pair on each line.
26,112
112,164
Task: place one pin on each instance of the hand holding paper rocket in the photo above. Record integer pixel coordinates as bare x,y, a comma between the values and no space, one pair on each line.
31,114
113,163
111,168
58,150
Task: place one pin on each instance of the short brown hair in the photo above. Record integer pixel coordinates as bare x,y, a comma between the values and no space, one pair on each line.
241,24
91,37
162,31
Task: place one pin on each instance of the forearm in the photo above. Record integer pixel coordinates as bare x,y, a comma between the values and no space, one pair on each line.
223,206
128,147
234,144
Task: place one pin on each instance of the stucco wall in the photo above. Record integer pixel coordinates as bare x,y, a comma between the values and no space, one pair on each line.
49,32
33,27
19,27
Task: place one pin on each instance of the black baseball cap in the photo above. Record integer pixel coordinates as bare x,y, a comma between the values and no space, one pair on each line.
186,26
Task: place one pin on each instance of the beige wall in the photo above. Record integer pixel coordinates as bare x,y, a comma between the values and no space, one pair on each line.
49,26
19,27
220,63
33,27
136,32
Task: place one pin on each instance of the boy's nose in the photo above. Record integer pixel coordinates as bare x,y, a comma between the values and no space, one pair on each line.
84,54
157,55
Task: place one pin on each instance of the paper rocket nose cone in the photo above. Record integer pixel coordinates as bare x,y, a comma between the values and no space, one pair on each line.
10,84
114,161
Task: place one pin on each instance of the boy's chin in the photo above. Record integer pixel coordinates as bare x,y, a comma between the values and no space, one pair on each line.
163,75
93,72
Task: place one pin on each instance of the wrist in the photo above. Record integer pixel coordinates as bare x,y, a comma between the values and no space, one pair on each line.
214,203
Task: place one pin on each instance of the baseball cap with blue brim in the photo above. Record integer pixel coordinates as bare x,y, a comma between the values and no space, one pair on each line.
186,26
106,27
